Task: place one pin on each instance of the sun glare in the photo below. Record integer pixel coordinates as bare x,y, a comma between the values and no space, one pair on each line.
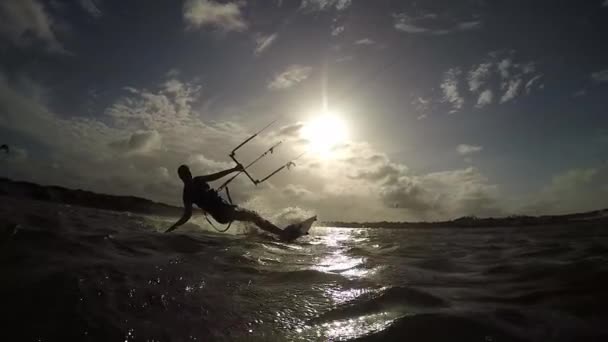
323,133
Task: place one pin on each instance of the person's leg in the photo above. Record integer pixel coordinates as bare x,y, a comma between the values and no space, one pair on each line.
240,214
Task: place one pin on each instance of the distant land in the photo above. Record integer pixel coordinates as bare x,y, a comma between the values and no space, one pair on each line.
58,194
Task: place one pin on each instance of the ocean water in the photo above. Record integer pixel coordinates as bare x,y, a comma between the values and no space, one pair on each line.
80,274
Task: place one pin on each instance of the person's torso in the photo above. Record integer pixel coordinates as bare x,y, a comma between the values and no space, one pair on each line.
200,193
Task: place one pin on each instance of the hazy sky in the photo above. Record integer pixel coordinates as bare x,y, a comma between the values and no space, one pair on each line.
451,107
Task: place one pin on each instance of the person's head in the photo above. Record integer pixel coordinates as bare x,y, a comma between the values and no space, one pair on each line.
184,173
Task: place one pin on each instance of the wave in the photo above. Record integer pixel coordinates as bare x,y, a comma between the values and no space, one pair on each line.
399,299
441,327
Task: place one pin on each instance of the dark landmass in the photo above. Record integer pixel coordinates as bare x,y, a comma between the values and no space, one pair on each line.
597,216
57,194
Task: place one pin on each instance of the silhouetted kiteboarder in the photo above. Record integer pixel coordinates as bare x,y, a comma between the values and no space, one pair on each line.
197,191
5,148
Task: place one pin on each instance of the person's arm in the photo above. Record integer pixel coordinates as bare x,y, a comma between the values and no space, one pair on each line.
185,217
218,175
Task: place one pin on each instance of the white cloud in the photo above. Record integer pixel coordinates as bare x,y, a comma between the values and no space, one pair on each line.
91,7
478,76
428,23
469,25
574,190
485,98
600,76
512,90
263,42
25,23
504,66
365,41
293,75
410,28
336,31
465,149
450,89
321,5
498,75
200,13
343,59
531,82
141,142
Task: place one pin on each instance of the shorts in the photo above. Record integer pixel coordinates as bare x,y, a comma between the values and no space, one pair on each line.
222,212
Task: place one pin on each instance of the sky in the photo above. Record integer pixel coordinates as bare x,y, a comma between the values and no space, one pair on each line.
404,110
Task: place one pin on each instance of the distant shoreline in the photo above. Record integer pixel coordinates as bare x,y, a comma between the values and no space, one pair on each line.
58,194
84,198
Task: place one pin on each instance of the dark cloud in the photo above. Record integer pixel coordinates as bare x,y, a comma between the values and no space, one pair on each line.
27,22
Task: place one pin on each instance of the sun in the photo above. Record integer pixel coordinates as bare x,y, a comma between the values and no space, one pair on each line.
323,133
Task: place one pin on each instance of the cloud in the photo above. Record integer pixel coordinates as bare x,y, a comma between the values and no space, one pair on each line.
469,25
442,195
201,13
298,191
365,41
498,76
574,190
26,23
148,110
422,106
504,66
321,5
450,89
125,148
600,76
91,7
512,90
478,76
605,3
134,146
336,31
292,130
431,24
485,98
139,142
293,75
464,149
263,42
531,82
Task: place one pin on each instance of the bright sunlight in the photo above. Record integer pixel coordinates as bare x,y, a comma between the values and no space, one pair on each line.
323,133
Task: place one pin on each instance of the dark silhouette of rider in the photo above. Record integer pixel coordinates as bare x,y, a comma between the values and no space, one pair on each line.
197,191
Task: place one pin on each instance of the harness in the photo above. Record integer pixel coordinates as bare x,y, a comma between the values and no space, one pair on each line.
228,224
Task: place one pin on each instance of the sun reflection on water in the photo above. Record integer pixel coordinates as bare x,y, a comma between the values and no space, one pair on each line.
339,261
350,328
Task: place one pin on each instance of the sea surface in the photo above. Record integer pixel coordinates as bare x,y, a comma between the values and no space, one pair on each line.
80,274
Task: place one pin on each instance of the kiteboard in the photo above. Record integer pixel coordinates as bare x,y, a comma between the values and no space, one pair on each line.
296,230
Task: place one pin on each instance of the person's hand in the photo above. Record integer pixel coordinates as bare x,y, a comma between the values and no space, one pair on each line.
239,167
